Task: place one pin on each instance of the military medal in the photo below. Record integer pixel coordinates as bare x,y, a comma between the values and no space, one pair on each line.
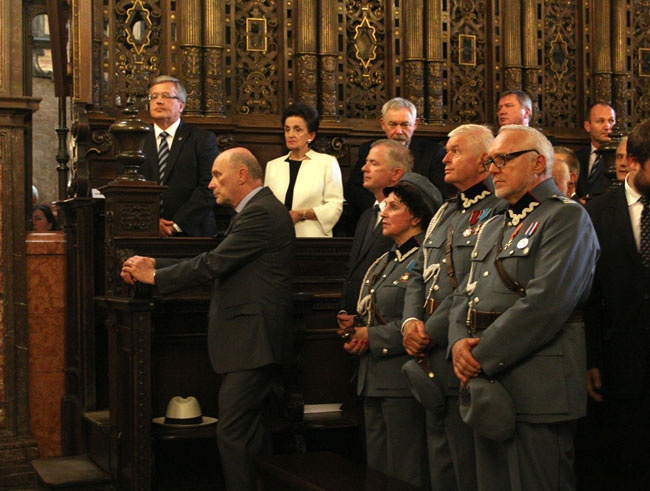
513,235
475,221
529,231
472,220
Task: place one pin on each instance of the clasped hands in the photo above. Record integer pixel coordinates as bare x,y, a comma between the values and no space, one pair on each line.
416,341
138,269
356,337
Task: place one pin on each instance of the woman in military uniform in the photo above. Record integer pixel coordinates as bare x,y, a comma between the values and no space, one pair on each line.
394,420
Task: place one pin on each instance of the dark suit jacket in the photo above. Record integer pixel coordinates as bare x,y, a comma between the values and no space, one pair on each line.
362,255
427,160
187,201
593,185
617,315
251,321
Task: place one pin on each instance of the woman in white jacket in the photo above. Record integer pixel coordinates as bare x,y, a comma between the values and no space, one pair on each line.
309,183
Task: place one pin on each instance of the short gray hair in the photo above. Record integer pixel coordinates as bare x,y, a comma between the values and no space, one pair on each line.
480,136
399,156
534,139
399,103
182,93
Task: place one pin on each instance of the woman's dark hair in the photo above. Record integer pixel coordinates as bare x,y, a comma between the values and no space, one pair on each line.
304,111
411,197
49,216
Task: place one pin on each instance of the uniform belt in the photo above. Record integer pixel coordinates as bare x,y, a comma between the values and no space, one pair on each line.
479,321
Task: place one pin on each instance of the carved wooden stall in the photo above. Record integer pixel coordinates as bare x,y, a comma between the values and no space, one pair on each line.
243,62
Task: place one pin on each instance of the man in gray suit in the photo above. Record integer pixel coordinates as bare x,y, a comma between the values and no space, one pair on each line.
250,320
512,317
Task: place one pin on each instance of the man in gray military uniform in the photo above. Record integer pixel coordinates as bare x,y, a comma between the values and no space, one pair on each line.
513,318
436,274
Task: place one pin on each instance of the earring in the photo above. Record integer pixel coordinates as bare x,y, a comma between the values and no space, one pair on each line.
308,140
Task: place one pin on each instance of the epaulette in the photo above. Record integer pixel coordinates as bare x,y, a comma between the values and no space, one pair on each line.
564,199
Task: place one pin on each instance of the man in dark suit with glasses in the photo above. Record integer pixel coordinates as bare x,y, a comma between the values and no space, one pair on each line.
179,156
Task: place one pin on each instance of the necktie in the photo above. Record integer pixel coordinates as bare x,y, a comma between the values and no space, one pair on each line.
163,157
598,166
645,231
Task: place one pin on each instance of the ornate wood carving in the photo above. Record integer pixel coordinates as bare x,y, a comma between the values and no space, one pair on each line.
256,81
559,106
365,54
467,84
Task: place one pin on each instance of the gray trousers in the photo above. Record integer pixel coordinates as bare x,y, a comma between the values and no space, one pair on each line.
395,438
538,458
241,432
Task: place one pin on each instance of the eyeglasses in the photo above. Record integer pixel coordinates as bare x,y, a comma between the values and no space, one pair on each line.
501,160
164,96
405,125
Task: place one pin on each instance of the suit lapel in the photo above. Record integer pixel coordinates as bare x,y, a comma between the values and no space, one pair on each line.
622,222
364,247
179,140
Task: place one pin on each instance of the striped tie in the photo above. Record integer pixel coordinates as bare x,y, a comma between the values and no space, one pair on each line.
163,157
645,232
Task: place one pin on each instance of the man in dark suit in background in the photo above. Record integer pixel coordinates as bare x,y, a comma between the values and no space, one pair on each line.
399,120
617,319
179,156
592,180
386,163
249,328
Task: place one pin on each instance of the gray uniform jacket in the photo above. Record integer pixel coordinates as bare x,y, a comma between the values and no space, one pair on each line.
465,215
379,373
532,348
